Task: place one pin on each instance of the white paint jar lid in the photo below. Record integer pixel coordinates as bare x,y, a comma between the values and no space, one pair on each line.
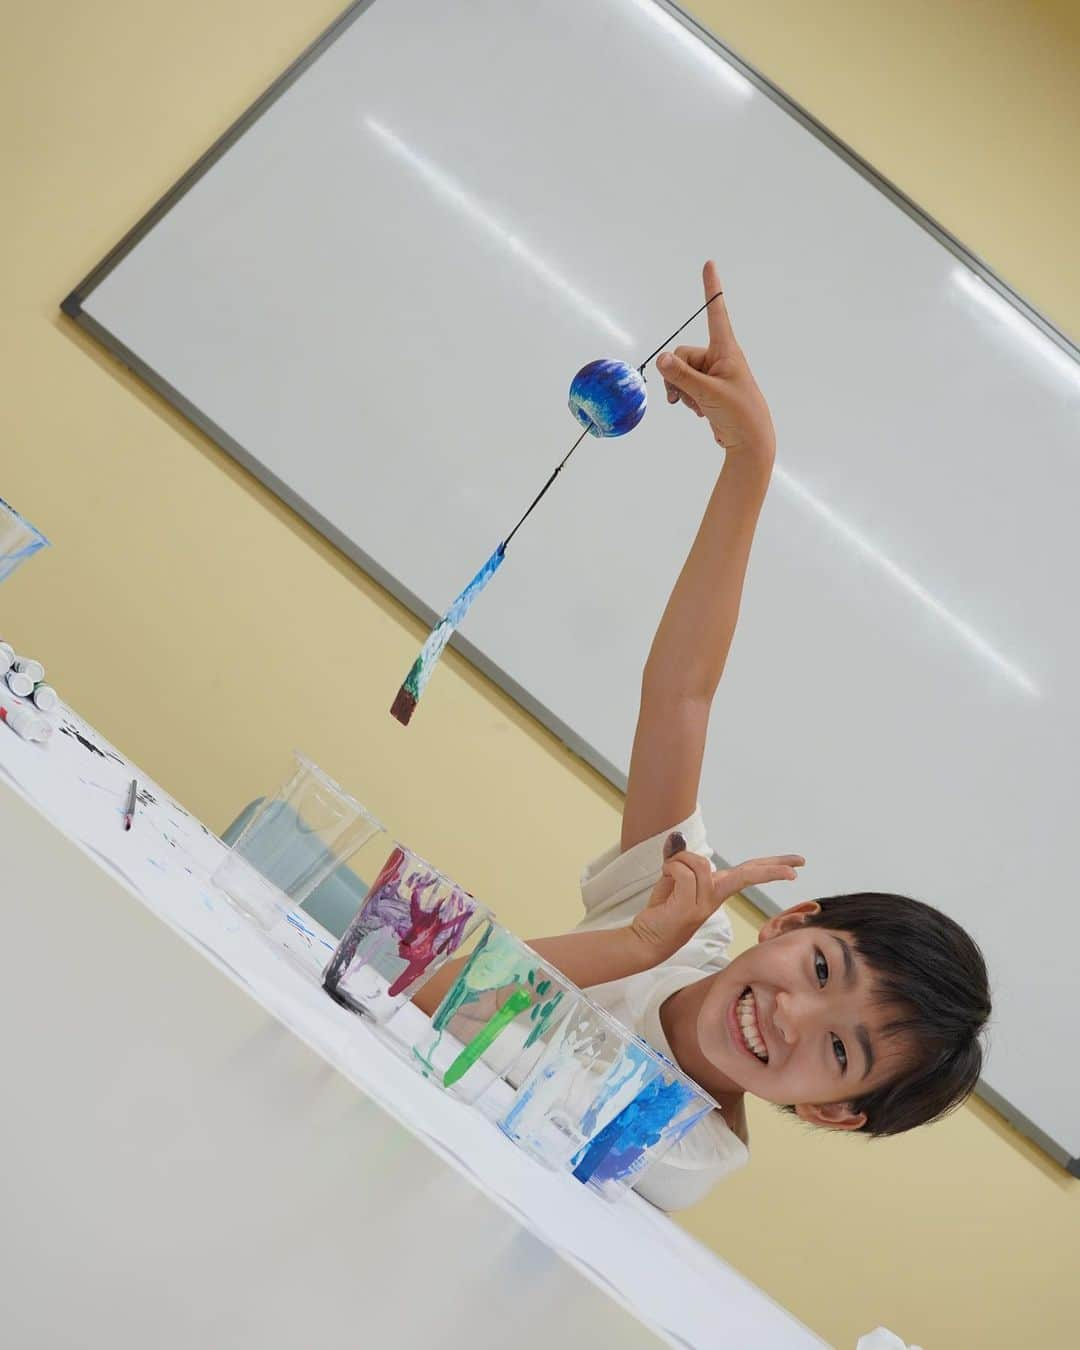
34,669
20,683
45,697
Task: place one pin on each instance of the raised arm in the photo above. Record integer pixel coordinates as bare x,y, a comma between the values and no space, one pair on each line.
691,645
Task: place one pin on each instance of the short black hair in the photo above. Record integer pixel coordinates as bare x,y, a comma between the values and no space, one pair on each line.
933,972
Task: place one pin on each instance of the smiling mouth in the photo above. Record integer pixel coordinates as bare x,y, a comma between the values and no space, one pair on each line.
747,1029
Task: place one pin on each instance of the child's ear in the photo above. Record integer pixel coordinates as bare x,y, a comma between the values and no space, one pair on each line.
833,1116
788,919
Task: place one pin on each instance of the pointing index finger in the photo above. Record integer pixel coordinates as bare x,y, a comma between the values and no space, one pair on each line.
721,334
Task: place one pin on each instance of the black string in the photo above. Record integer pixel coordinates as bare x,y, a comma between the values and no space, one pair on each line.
677,331
559,468
549,482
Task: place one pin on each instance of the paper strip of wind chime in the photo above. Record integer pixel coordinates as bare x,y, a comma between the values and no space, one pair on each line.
608,399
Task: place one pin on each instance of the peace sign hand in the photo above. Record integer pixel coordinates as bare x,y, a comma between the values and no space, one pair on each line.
689,892
715,382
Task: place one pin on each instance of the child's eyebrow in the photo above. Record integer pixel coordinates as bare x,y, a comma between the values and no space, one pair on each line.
860,1031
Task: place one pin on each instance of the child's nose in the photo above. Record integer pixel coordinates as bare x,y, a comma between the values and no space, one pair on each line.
796,1015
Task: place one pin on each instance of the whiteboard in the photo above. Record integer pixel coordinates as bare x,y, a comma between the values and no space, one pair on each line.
374,291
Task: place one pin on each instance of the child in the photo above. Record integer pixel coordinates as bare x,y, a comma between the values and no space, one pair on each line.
863,1010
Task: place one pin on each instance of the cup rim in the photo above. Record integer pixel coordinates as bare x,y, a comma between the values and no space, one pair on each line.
540,960
671,1067
312,768
480,904
7,506
668,1065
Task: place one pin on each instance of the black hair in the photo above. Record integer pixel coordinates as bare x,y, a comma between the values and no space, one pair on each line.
932,972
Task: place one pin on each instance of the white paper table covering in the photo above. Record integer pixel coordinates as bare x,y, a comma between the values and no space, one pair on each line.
643,1260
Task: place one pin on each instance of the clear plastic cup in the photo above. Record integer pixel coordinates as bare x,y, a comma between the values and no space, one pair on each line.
502,1008
292,843
592,1069
413,919
665,1110
19,540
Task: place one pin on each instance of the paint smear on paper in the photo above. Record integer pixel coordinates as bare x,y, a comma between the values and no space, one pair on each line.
67,729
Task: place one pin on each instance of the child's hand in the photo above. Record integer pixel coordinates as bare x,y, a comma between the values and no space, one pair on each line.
690,892
715,382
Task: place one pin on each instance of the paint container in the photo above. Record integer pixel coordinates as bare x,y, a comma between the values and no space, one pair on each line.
500,1012
19,683
292,843
34,669
45,697
665,1111
7,657
19,540
26,724
412,921
592,1069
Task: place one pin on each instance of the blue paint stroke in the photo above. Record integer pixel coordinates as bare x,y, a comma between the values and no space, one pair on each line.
309,933
632,1061
628,1071
617,1151
509,1125
440,635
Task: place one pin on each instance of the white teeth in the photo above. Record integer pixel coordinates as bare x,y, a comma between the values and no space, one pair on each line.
745,1011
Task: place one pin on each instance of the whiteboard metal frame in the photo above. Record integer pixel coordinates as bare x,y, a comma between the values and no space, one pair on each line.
72,306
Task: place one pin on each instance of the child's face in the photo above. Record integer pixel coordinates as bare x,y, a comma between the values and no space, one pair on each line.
813,1024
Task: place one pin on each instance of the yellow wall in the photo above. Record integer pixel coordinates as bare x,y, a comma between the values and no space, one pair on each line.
181,604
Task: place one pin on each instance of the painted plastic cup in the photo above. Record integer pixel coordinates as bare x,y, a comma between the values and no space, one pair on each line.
665,1110
19,540
412,921
292,843
592,1069
502,1008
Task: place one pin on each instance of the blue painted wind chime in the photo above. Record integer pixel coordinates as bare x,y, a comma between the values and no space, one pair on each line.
608,399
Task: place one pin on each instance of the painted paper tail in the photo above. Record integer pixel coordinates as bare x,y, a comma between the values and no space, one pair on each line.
408,695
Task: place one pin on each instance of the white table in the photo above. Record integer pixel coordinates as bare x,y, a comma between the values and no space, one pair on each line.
181,1169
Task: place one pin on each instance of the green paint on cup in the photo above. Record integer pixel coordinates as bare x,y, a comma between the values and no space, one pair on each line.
518,1001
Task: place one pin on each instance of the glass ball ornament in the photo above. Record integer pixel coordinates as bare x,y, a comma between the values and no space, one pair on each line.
608,397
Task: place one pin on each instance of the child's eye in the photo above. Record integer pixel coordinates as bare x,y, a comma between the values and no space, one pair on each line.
819,962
